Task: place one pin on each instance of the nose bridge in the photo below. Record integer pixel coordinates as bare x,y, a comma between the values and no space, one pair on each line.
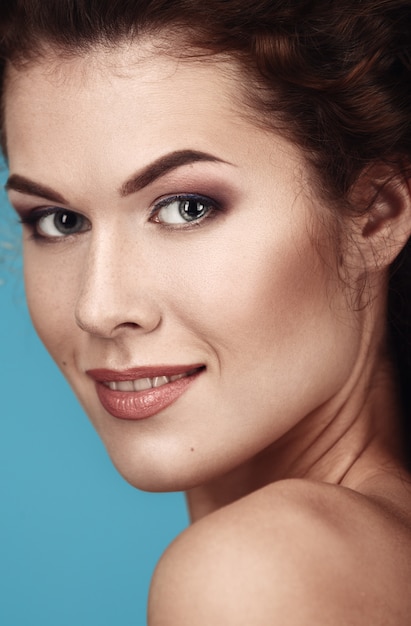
111,294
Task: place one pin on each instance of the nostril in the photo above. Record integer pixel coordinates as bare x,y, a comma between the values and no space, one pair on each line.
101,321
129,325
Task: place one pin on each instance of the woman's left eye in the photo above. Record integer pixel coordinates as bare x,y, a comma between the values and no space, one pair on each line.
183,210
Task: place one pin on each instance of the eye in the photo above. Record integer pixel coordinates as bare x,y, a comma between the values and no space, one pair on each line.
57,223
183,209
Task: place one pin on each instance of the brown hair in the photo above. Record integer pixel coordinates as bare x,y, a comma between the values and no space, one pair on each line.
334,75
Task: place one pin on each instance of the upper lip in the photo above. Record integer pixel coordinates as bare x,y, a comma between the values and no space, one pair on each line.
103,375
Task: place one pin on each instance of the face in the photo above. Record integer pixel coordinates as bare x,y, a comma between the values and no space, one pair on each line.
176,261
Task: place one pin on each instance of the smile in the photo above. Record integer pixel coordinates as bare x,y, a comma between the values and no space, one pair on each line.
141,384
135,394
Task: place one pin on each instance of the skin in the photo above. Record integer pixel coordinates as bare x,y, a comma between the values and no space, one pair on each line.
287,444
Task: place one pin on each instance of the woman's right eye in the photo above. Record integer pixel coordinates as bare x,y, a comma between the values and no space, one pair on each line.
56,223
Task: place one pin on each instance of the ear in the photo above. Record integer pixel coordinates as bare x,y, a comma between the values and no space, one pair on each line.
382,231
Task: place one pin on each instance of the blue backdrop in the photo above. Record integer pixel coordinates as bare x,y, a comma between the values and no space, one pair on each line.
78,545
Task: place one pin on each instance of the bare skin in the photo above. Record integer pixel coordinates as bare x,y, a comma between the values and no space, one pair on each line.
296,552
288,442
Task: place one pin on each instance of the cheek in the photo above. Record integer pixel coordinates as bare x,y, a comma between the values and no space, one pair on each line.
246,291
272,308
50,305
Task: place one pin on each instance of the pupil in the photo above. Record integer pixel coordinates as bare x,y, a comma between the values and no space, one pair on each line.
66,222
192,209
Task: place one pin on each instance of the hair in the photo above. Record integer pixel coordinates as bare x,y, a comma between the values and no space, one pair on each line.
333,75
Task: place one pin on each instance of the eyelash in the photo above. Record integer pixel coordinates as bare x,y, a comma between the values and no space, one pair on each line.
32,220
210,208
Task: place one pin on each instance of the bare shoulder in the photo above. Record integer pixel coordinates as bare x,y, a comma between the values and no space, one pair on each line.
298,553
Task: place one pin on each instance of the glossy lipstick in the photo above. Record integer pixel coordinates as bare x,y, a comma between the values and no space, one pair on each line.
134,404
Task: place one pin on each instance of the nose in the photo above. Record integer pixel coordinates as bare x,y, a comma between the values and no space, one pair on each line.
115,293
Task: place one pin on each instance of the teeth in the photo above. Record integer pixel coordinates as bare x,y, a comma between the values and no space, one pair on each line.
178,376
160,380
125,385
141,384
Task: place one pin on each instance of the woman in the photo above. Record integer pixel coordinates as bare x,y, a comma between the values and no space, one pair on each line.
213,196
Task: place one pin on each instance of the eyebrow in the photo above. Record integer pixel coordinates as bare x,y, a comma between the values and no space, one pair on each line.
138,181
27,186
163,166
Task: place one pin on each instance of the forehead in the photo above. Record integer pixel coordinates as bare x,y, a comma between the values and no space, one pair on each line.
99,90
92,120
92,100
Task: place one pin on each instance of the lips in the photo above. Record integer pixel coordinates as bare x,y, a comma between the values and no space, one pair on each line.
141,384
140,393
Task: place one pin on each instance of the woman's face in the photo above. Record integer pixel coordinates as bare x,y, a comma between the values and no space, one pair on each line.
171,242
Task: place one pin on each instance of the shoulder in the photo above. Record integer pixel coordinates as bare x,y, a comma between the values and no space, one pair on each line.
293,553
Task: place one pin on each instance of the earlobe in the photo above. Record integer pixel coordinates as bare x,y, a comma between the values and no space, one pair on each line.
384,229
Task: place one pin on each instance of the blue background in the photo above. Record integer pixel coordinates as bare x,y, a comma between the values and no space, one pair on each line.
78,545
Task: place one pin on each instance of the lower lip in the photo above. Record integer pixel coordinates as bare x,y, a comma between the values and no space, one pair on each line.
139,405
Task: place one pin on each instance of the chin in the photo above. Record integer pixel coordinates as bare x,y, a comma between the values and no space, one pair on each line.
156,481
156,470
